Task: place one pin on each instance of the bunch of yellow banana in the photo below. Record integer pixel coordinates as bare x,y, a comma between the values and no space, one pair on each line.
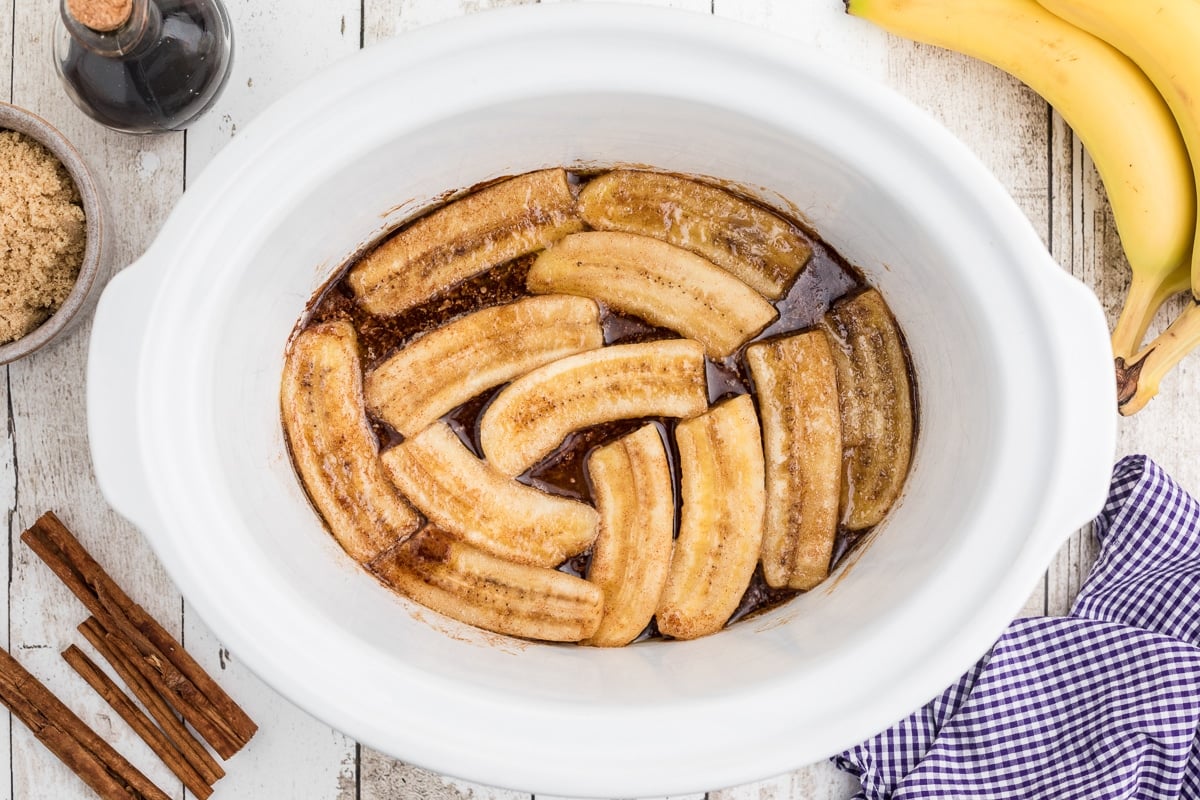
1161,37
1123,74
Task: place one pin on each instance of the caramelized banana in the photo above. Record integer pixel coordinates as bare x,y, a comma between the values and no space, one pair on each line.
471,500
436,570
454,363
721,524
876,406
663,284
466,237
631,481
802,436
760,248
532,415
332,446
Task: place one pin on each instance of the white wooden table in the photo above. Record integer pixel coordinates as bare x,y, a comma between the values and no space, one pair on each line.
44,463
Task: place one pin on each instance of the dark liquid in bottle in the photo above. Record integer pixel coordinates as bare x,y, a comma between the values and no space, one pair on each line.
171,77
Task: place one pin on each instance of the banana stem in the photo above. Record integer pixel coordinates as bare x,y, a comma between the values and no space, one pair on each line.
1148,290
1138,382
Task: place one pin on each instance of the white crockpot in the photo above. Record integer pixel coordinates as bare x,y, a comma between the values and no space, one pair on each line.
1011,354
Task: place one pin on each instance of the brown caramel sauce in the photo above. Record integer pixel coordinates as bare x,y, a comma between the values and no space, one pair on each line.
826,278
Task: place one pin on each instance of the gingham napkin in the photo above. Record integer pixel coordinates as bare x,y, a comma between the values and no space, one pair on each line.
1103,703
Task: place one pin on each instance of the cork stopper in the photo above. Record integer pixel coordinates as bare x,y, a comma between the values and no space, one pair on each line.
101,15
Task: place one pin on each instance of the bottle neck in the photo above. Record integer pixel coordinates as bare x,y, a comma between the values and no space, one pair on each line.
141,25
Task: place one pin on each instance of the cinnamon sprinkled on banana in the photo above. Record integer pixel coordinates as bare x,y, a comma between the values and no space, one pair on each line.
631,481
470,499
876,404
332,446
475,233
760,248
796,381
721,524
531,416
663,284
440,572
456,362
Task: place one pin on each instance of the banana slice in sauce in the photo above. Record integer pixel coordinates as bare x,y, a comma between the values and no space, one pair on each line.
333,447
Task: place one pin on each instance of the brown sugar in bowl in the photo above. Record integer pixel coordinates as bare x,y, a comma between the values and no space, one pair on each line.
82,296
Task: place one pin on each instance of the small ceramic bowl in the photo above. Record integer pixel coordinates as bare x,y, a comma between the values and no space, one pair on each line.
82,297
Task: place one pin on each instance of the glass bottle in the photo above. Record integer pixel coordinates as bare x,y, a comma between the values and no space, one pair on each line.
143,66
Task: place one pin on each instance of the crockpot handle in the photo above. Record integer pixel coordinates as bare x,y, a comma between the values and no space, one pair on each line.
113,354
1087,408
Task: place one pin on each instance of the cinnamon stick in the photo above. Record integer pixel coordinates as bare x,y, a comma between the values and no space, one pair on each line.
154,702
69,738
137,719
156,654
180,692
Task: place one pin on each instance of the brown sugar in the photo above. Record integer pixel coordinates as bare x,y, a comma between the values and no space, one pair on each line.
42,234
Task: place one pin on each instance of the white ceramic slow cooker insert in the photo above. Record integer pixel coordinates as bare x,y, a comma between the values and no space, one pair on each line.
1015,376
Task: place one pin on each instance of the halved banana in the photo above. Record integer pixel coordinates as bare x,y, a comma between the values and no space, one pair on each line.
721,523
796,382
659,282
631,483
876,405
534,413
470,499
437,570
760,248
456,362
332,446
486,228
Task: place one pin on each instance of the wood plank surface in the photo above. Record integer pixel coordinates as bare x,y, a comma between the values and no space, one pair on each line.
820,781
50,452
44,460
383,19
8,461
383,778
7,12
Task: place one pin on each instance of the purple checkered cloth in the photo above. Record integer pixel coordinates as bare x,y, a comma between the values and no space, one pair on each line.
1103,703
